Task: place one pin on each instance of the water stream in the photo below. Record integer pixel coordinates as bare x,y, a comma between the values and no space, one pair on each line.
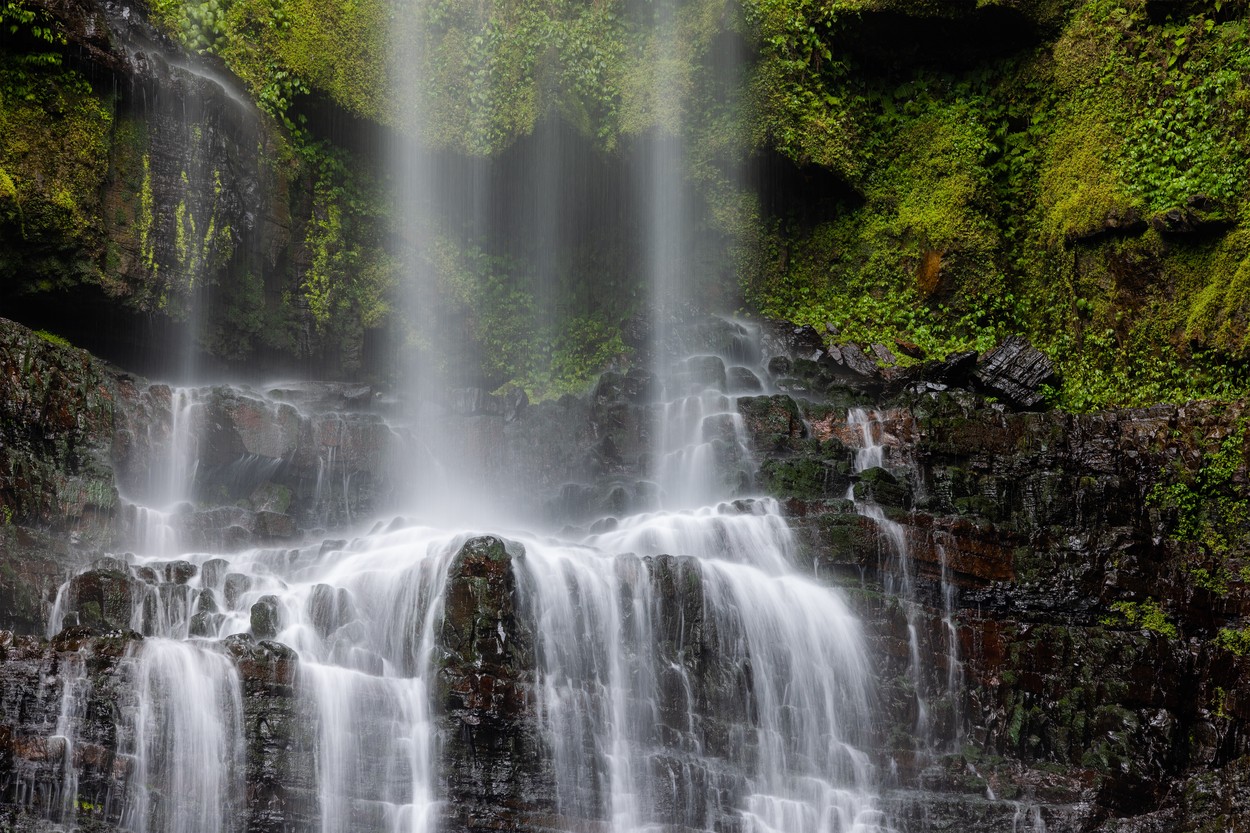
690,674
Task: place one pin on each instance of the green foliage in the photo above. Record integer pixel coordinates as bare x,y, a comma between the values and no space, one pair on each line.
1235,641
919,261
1208,504
54,134
799,88
350,275
1012,196
1147,616
545,352
1186,133
36,37
53,338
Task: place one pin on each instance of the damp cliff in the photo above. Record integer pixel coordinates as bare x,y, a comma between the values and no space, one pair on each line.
1076,589
945,175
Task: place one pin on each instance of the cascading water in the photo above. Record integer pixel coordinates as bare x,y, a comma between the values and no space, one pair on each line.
688,674
869,455
647,731
899,578
187,732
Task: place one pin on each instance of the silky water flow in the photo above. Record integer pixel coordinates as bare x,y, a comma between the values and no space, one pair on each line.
689,674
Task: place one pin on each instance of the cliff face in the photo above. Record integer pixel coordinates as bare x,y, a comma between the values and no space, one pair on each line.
1074,587
149,199
944,174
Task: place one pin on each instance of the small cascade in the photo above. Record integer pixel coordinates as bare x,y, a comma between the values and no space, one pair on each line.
1027,819
362,619
51,790
186,739
897,570
741,694
899,580
75,692
954,662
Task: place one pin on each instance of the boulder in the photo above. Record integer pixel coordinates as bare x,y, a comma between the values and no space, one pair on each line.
1014,371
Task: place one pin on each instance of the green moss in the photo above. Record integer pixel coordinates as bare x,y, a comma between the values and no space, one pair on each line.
1147,616
53,338
1234,641
1208,504
8,191
54,155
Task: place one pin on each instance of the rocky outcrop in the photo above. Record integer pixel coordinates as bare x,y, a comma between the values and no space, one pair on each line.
76,435
1078,587
1089,637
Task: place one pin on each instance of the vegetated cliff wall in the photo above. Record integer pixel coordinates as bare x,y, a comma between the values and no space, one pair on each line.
149,200
946,174
1092,569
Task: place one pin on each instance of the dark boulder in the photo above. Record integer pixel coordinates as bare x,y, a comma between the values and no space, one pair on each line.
266,617
851,364
1014,371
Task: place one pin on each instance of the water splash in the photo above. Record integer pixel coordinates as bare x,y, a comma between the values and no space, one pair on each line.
187,739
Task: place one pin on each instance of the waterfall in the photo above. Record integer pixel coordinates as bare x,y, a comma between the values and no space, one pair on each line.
869,455
187,739
688,671
900,581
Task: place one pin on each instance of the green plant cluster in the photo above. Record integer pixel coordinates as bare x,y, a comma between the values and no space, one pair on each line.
54,134
1147,616
1090,192
1209,504
545,352
1235,641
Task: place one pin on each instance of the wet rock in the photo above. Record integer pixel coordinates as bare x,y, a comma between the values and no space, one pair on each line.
57,420
266,617
850,364
179,572
771,422
780,366
494,750
1199,214
956,368
31,570
700,373
1014,371
783,339
102,598
884,355
741,380
234,585
881,487
213,572
329,608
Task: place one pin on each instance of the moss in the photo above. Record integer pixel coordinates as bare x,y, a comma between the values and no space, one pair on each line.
1012,196
1081,188
1208,504
54,157
1147,616
1236,642
53,338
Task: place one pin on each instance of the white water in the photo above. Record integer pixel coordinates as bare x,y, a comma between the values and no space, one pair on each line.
186,728
899,581
719,689
740,692
897,568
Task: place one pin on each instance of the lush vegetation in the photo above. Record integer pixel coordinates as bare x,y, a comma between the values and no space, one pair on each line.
1090,192
1085,184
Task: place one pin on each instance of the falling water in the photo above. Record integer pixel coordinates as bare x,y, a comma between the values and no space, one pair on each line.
187,734
900,582
871,454
747,697
690,675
